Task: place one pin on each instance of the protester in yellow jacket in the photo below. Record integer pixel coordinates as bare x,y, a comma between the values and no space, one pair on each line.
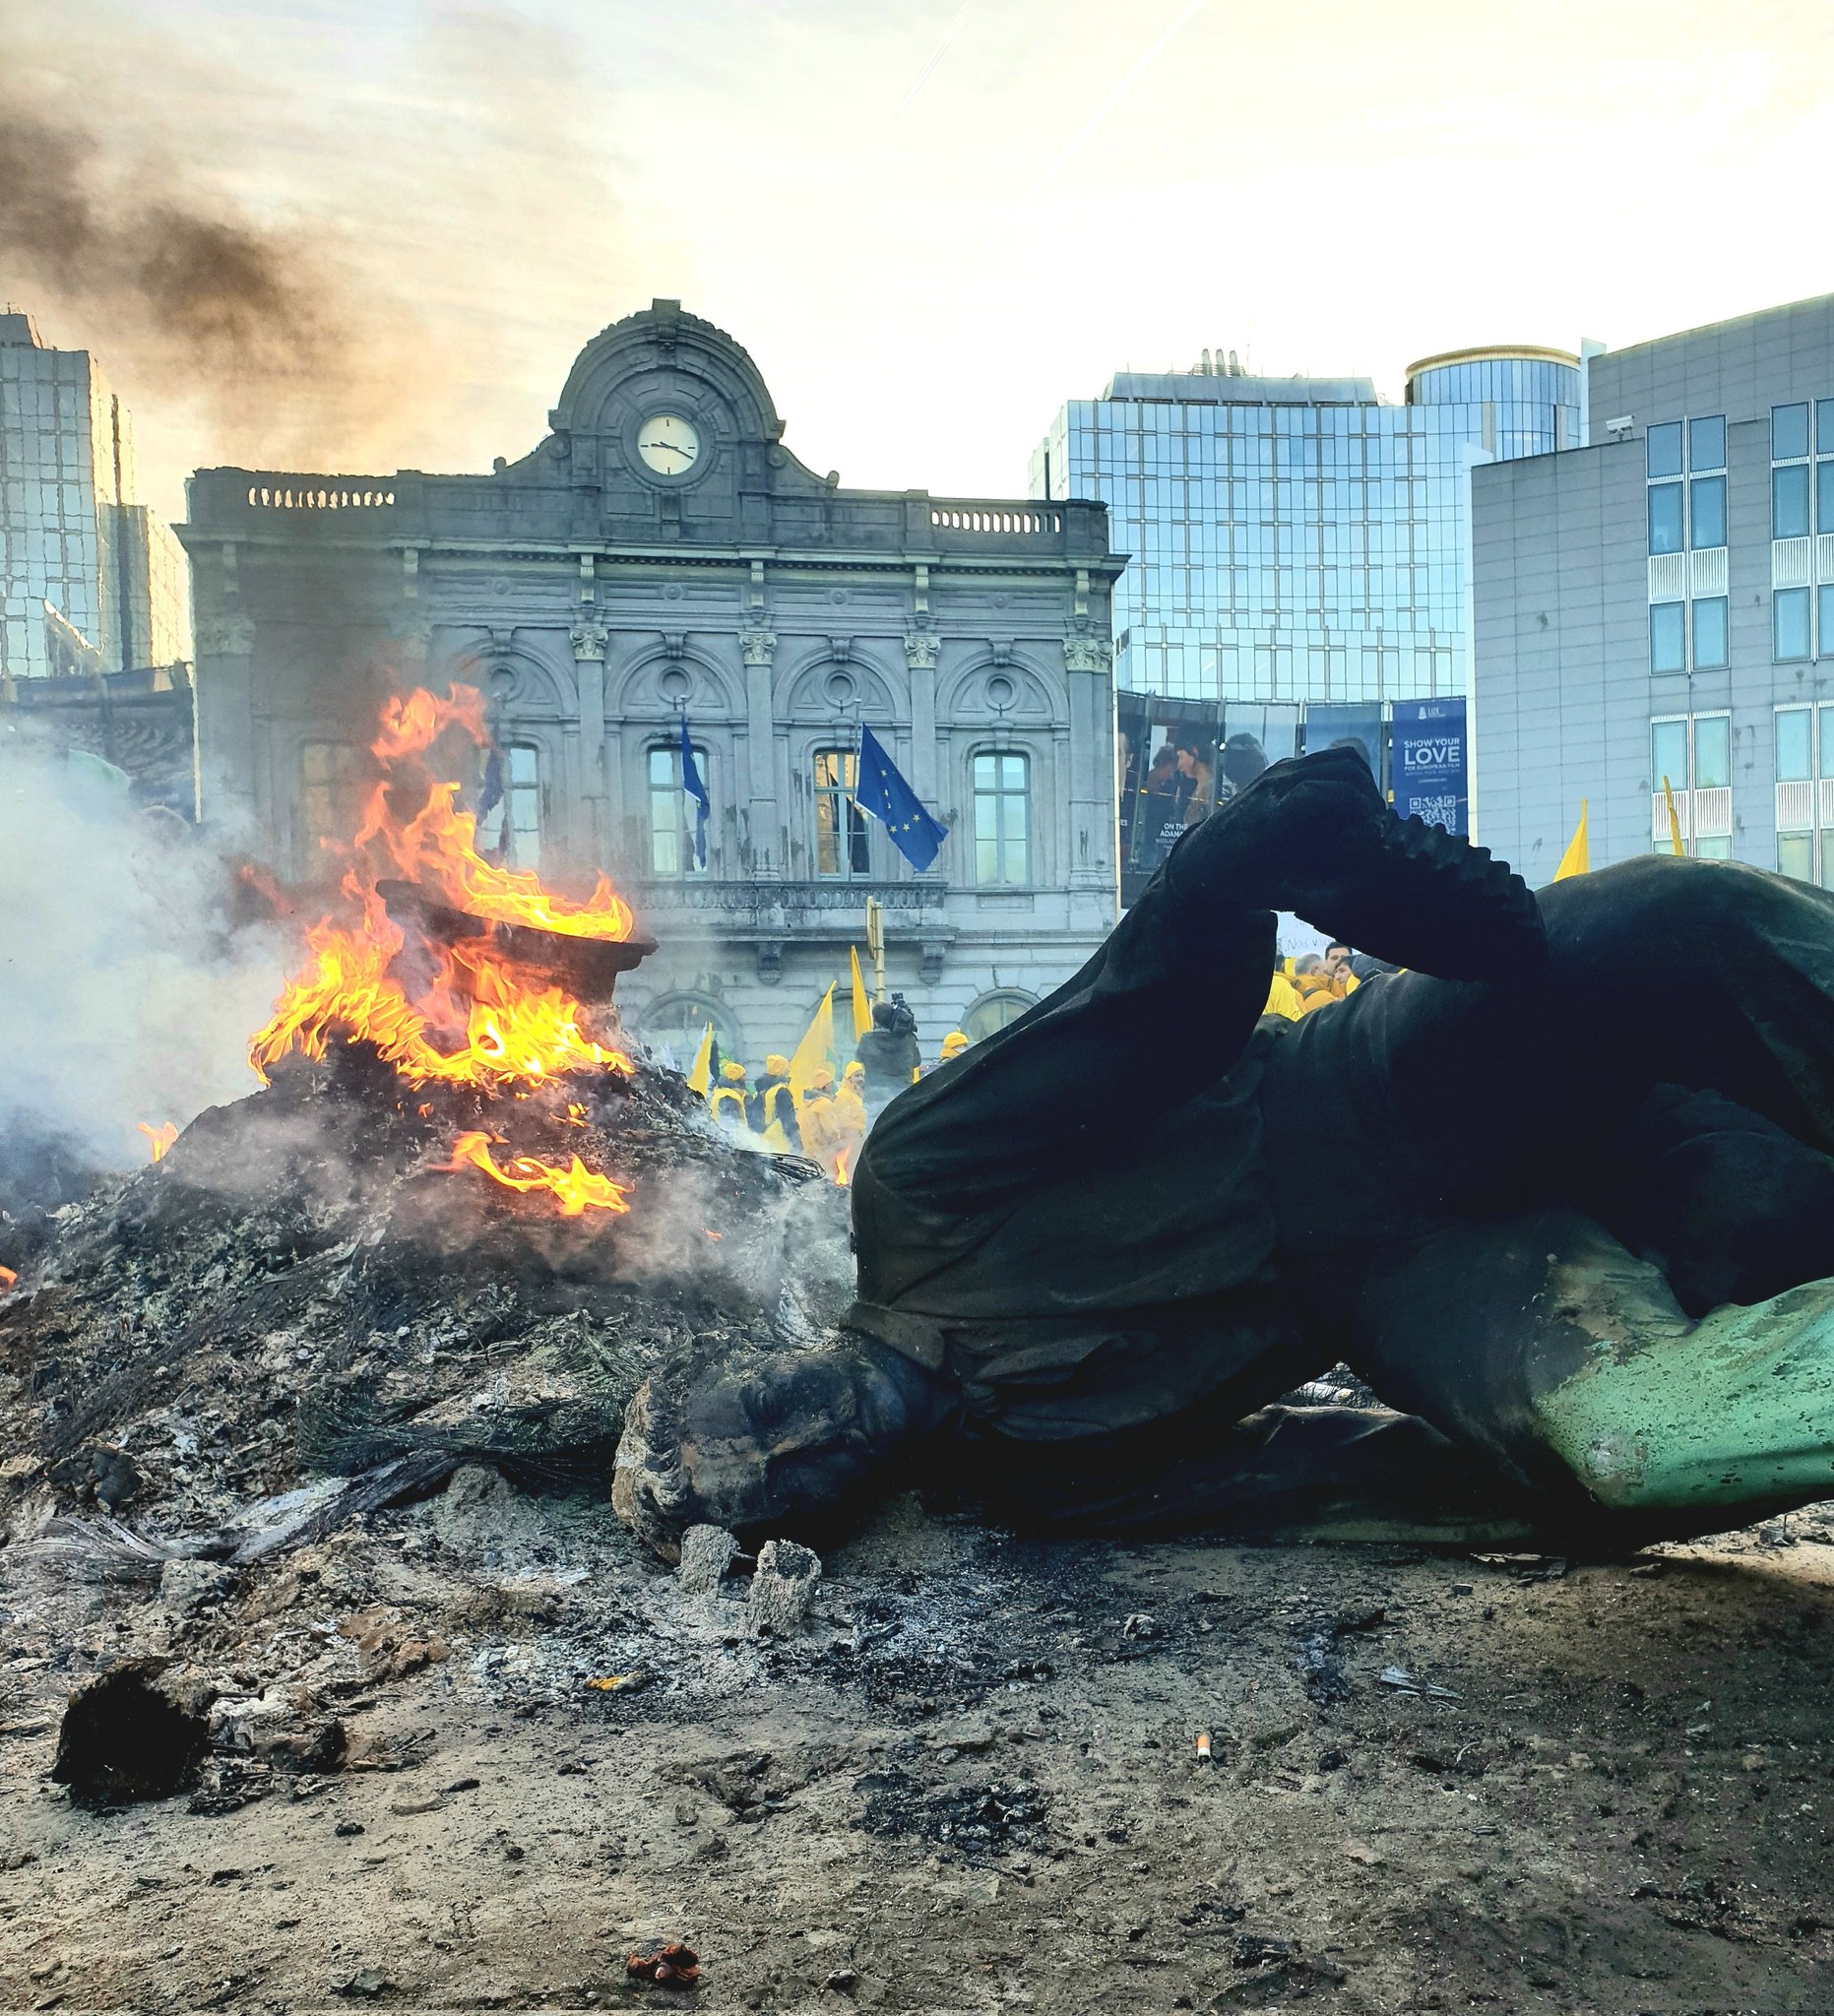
850,1120
953,1044
1281,999
728,1101
816,1120
772,1099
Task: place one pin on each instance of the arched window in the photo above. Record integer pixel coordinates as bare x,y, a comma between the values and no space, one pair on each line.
992,1012
673,1027
1002,819
672,813
843,851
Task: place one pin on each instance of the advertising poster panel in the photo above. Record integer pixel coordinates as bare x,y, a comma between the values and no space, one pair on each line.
1256,735
1167,763
1430,763
1359,723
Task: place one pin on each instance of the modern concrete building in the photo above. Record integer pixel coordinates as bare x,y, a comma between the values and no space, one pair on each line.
1299,541
90,581
1661,603
663,556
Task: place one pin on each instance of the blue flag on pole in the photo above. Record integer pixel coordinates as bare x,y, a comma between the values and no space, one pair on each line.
883,792
697,790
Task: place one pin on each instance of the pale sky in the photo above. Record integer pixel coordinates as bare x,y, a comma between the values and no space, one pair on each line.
933,223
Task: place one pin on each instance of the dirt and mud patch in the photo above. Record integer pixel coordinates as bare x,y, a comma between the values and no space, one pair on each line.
975,1785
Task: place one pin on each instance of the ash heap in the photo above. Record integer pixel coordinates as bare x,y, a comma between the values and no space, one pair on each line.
456,1223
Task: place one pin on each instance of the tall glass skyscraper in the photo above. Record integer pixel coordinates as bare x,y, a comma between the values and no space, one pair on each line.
1299,542
90,579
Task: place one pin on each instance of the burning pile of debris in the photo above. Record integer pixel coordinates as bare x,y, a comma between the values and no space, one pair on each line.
458,1224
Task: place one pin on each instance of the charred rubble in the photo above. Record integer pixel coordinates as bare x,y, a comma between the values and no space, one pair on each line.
302,1289
442,1245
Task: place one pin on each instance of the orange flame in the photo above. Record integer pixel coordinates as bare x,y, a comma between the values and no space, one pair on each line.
8,1276
480,1020
411,726
512,1026
577,1187
437,848
840,1176
465,1013
158,1139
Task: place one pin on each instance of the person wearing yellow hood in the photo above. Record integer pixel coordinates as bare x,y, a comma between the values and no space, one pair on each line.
772,1099
953,1044
1282,1001
816,1120
849,1114
730,1100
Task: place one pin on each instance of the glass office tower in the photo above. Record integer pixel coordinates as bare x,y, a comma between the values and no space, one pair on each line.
89,580
1299,542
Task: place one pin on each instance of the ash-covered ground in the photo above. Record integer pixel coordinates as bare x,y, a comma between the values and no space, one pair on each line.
328,1430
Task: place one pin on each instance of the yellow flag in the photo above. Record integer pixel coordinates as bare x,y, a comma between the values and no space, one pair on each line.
1674,820
862,1008
700,1078
815,1052
1577,860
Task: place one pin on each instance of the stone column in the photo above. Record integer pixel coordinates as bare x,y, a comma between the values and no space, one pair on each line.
591,640
1088,663
921,648
757,648
229,792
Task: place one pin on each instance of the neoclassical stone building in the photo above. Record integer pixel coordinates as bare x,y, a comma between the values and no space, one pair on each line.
662,554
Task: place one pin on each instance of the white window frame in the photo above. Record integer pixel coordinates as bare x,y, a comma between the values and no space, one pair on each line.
851,823
1704,814
998,796
1804,806
686,868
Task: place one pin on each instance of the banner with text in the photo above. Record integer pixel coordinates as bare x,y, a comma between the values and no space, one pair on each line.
1428,758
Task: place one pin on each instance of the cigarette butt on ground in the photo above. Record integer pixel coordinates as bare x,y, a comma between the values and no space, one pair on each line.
1203,1745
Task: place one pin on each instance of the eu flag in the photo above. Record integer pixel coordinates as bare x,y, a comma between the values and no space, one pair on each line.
697,790
884,794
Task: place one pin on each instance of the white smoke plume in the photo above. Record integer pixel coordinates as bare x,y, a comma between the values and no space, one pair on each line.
123,995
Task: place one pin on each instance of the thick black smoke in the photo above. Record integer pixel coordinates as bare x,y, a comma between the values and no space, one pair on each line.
254,324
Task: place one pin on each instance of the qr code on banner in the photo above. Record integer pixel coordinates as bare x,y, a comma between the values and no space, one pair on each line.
1437,811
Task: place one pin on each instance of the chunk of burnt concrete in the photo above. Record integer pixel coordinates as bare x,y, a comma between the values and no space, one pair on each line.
783,1591
706,1554
137,1732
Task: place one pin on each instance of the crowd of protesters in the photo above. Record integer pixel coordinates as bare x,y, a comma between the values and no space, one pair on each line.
827,1122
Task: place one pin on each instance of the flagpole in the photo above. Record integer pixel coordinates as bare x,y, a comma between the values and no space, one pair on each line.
875,944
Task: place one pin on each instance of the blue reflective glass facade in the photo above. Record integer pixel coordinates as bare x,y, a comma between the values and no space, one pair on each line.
1293,539
1534,401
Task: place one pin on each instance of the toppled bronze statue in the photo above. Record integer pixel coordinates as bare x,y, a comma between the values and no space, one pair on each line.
1560,1193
